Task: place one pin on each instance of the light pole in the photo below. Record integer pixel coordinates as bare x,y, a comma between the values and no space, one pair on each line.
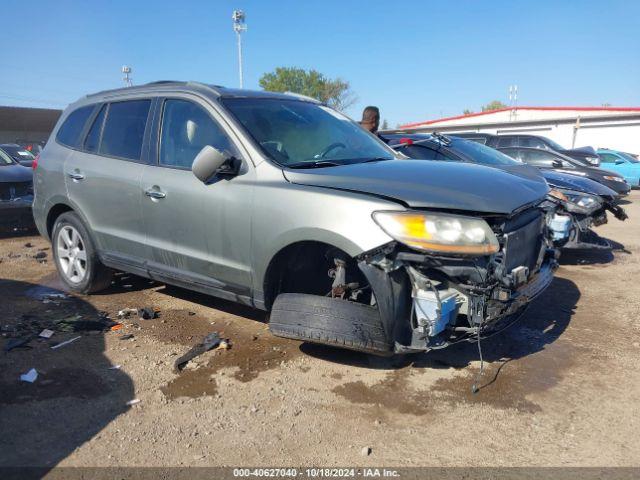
239,26
127,79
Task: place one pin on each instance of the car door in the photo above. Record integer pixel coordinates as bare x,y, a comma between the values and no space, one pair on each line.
103,179
199,234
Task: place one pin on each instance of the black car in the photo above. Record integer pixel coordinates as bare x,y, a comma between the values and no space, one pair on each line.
584,155
550,159
585,201
16,194
20,154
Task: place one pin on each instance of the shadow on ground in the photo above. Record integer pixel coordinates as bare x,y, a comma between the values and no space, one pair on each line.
75,394
593,256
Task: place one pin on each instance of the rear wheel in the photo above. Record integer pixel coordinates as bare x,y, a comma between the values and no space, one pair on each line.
76,256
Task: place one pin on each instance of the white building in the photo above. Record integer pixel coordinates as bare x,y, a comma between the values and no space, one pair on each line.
617,128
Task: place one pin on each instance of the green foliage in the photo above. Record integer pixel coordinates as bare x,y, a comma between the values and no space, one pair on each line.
466,111
494,105
334,92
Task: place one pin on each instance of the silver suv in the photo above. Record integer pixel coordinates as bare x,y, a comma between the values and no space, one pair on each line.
281,203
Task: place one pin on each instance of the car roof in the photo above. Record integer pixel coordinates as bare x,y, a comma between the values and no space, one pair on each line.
196,87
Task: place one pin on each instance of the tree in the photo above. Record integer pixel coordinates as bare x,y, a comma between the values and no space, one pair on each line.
334,92
494,105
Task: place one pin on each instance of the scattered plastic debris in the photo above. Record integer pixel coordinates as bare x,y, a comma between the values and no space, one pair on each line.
46,333
211,341
147,313
114,367
127,336
366,451
127,312
28,245
67,342
40,256
17,343
133,402
75,323
116,327
30,376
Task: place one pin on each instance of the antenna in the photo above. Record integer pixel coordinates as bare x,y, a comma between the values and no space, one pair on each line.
239,26
126,70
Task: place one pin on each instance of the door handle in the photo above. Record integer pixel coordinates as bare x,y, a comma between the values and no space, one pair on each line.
154,193
76,176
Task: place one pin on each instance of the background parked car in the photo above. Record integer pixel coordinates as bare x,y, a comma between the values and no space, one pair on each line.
622,163
585,203
585,155
16,194
18,153
550,159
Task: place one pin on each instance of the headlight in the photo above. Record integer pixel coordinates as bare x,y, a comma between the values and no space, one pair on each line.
578,202
439,232
614,179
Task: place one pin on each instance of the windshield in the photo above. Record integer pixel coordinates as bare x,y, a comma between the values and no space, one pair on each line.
554,145
300,134
18,153
481,153
629,157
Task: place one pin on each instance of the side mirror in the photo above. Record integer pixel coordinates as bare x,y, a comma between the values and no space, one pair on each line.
211,161
619,162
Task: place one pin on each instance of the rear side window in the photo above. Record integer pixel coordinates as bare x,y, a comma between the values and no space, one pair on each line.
124,127
92,142
532,142
507,142
69,132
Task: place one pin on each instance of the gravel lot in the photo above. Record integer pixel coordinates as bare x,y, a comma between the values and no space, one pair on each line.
560,388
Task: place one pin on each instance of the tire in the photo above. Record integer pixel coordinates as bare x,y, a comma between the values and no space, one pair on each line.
95,276
329,321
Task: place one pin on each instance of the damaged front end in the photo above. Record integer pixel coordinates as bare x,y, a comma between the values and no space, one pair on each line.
432,293
577,213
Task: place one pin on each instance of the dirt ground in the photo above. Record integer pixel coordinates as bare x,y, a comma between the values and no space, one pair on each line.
560,388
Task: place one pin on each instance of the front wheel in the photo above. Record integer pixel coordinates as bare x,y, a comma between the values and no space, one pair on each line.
76,256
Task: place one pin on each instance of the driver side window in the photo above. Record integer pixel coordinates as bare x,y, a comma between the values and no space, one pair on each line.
538,158
186,129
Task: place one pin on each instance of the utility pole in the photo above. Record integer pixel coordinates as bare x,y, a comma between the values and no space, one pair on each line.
239,26
513,102
127,79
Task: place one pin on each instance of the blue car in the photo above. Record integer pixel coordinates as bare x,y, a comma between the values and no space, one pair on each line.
622,163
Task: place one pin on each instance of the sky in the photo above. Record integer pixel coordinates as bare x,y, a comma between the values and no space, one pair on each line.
415,60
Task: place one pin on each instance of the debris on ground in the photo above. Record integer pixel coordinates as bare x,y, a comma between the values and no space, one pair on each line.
75,323
147,313
30,376
114,367
66,342
46,333
28,245
127,312
116,327
17,343
41,256
211,341
133,402
366,451
127,336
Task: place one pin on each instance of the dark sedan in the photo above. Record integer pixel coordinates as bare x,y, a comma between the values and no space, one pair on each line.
584,155
547,159
16,194
20,154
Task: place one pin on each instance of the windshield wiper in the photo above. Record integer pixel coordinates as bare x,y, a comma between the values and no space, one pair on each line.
314,164
376,159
